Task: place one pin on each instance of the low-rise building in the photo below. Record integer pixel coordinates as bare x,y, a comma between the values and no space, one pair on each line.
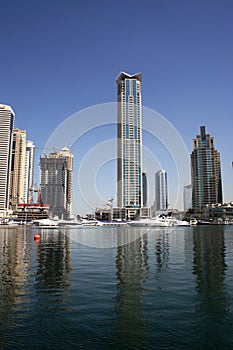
31,211
219,212
110,214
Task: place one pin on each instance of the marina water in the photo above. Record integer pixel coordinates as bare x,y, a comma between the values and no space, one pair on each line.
117,288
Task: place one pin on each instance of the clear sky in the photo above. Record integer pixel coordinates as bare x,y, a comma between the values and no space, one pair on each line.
60,57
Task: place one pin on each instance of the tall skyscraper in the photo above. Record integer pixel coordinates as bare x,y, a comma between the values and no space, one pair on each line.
144,191
56,175
187,197
6,128
17,174
29,172
129,149
206,171
161,192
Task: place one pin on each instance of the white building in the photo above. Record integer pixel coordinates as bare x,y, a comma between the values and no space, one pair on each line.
29,172
6,128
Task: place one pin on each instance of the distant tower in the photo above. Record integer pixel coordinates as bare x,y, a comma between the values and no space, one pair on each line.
17,177
56,174
187,197
206,171
144,186
6,127
29,172
161,192
129,166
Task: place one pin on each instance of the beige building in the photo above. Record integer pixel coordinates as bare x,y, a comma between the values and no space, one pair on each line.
17,172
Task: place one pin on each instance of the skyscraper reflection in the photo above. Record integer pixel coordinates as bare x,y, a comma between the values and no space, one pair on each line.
210,268
132,268
15,253
53,254
162,251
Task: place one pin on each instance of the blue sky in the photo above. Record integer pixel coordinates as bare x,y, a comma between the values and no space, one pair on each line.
60,57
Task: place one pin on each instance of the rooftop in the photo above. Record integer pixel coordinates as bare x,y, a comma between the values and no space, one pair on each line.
124,75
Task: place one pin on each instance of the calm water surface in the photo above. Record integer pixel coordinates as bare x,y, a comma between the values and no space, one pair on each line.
117,288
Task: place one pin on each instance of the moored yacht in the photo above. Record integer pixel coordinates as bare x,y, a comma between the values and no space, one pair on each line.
46,223
160,221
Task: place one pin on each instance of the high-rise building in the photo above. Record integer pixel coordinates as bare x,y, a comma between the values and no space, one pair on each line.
161,192
17,174
205,171
187,197
129,149
29,172
144,187
56,175
6,128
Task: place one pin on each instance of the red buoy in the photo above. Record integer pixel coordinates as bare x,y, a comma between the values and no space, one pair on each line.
36,237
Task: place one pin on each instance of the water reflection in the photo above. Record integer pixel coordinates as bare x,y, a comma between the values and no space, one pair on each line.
212,303
17,257
162,251
161,289
132,268
14,265
54,265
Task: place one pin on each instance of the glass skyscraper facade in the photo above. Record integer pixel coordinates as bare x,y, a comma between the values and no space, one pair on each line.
161,192
206,171
144,189
129,190
187,197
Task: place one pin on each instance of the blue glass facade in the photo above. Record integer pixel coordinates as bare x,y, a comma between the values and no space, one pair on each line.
161,190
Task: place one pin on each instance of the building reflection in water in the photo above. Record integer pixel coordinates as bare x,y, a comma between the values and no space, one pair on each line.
15,251
54,266
162,250
17,261
209,267
132,268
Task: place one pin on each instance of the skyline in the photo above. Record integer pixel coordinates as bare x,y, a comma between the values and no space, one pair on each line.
62,58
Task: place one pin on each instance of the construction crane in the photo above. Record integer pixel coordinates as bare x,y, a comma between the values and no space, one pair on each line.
36,189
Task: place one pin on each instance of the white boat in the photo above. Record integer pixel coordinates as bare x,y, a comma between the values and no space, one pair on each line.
91,222
203,222
79,223
182,223
193,222
46,223
69,223
161,221
143,222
